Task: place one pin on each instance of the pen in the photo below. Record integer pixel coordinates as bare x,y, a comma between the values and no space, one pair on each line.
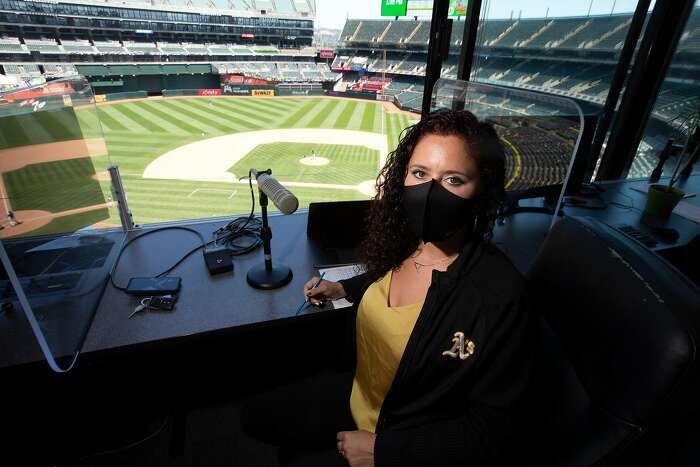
303,304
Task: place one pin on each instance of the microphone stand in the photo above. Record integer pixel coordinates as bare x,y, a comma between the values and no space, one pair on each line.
267,276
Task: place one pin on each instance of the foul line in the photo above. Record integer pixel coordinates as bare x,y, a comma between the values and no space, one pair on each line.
233,192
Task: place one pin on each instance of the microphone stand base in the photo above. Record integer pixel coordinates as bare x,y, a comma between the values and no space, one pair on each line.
260,278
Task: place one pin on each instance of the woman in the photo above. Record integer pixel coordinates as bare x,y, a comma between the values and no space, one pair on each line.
443,335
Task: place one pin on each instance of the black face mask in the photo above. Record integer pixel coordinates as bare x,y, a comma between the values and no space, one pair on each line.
434,213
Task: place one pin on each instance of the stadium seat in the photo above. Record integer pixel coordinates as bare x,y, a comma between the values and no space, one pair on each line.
602,399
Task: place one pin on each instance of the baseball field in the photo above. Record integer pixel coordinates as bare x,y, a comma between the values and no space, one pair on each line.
182,158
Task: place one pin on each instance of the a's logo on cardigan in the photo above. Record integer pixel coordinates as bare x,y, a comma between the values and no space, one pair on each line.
461,347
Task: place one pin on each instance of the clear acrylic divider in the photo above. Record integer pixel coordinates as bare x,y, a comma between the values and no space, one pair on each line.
59,230
540,133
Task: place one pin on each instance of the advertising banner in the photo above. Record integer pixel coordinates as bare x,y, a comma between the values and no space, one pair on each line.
235,90
232,79
209,92
255,81
326,53
100,98
263,92
394,7
300,92
457,8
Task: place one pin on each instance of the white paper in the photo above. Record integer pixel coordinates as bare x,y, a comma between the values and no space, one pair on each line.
688,210
334,274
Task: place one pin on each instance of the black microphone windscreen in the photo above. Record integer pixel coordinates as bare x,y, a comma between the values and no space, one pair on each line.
285,201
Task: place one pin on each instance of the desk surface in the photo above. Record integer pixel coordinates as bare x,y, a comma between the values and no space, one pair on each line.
227,304
625,206
206,303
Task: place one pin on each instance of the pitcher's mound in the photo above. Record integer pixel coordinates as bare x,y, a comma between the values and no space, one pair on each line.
314,160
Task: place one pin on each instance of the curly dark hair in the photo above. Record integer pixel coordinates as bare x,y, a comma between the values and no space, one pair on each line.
389,240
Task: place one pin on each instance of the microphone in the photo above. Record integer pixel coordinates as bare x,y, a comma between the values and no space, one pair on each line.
285,201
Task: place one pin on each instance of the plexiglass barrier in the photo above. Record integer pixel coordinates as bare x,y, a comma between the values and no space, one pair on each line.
540,133
55,206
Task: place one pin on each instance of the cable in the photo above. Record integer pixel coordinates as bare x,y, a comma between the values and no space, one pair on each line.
239,228
175,227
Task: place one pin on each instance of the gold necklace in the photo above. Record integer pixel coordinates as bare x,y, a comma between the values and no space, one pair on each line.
418,265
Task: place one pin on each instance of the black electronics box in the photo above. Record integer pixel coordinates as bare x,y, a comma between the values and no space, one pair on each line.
218,260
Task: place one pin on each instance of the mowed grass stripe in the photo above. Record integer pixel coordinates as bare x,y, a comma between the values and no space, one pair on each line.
334,113
108,121
245,113
274,113
115,112
258,107
222,125
230,116
172,119
304,121
294,118
251,114
195,118
367,122
281,104
161,119
322,112
130,113
355,122
343,120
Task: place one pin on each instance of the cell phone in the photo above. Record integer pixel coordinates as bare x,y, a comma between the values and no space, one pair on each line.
153,285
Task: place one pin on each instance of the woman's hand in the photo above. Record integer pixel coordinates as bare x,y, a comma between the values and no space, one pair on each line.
357,447
325,290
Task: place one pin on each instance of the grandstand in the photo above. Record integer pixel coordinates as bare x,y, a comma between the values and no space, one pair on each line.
515,52
263,39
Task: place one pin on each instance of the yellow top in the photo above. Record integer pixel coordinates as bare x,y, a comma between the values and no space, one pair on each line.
382,334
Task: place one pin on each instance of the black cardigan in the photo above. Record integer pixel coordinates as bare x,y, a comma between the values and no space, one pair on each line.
442,410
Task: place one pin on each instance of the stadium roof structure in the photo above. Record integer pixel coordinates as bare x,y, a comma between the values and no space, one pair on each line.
290,8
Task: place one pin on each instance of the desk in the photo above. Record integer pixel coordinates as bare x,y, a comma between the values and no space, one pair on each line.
211,306
625,206
206,303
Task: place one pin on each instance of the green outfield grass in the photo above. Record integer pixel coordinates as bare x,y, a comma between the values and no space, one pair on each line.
349,165
138,132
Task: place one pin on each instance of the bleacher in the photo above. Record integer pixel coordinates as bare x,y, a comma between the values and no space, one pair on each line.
167,48
555,33
240,50
371,30
593,29
520,33
78,47
24,69
492,30
43,46
349,29
690,41
141,48
56,70
219,49
109,47
12,45
195,49
398,31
